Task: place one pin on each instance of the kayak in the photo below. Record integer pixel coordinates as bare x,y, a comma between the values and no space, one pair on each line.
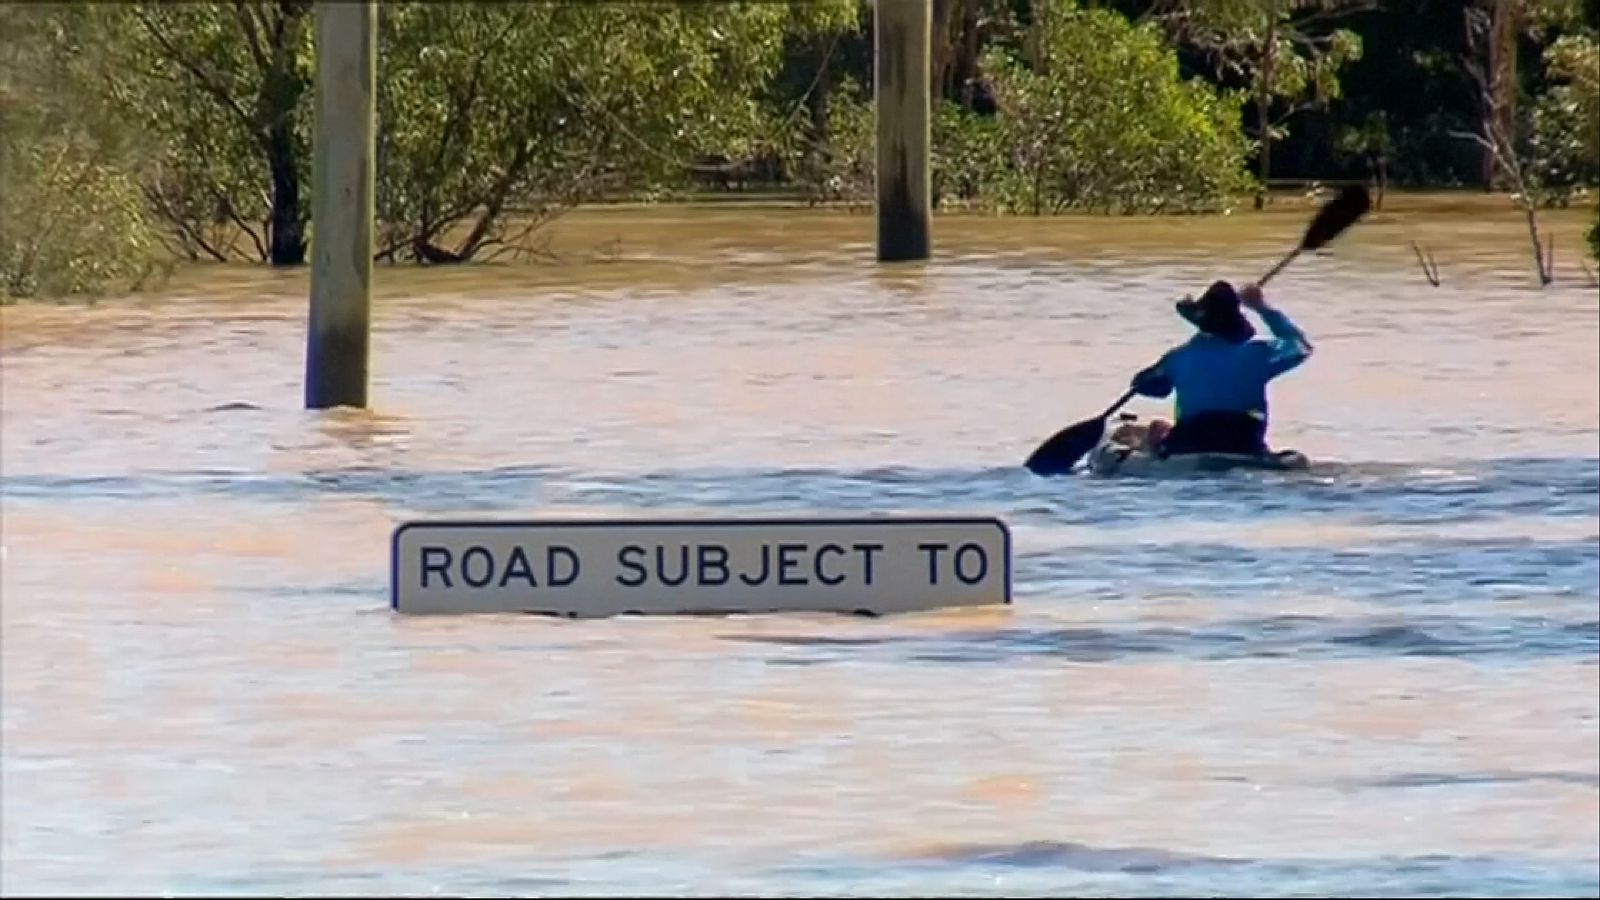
1123,454
1109,460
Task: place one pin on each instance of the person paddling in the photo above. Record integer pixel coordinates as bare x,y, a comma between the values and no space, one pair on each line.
1221,374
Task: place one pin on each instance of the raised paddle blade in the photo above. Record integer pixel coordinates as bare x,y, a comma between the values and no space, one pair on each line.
1340,213
1062,451
1345,209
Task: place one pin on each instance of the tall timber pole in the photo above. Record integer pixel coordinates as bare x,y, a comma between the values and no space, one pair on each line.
901,78
339,334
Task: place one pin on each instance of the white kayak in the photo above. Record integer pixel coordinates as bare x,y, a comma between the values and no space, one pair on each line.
1124,454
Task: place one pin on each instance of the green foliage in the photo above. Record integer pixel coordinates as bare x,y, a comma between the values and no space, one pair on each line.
1104,122
1573,63
74,221
224,93
1577,58
484,116
74,224
137,132
1562,151
845,161
1282,49
1370,139
1546,140
1543,16
1559,159
491,108
969,156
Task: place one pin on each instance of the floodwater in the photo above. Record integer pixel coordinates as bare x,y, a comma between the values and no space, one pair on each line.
1377,679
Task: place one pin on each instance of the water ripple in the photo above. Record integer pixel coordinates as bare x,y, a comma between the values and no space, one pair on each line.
1391,494
1278,637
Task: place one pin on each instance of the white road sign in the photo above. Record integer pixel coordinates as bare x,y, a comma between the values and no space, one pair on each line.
598,567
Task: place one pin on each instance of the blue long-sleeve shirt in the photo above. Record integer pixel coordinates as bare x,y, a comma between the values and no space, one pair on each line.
1211,374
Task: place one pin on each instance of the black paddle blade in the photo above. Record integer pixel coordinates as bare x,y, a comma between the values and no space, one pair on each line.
1062,451
1341,212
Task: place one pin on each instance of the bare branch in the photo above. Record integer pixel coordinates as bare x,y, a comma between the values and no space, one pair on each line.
464,101
1473,136
1330,13
496,200
1430,269
190,236
1496,138
395,240
233,215
247,22
36,236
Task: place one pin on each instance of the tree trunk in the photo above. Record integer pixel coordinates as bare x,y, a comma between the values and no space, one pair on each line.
288,246
967,70
1499,109
1035,37
1269,57
817,104
282,87
943,45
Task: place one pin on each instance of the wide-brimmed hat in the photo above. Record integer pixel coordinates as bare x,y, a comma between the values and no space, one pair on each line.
1217,313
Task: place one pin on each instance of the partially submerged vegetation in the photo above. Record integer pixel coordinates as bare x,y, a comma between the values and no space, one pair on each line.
137,135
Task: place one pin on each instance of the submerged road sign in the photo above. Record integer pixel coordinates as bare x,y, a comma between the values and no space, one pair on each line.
601,567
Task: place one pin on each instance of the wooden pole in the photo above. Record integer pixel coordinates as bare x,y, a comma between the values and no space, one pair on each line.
338,336
902,65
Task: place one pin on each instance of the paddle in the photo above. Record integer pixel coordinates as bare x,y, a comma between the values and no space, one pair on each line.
1348,206
1062,451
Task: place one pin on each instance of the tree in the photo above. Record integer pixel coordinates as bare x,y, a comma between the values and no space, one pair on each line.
1094,115
73,220
1285,51
1546,152
488,112
226,87
1370,141
496,117
1566,139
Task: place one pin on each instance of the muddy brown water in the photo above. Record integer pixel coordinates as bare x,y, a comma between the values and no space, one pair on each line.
1378,678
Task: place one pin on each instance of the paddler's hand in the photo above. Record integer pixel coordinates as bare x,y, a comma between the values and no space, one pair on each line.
1250,297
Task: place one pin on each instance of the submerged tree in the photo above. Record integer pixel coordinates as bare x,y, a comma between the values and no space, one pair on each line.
1547,152
73,220
1100,119
228,89
488,112
495,117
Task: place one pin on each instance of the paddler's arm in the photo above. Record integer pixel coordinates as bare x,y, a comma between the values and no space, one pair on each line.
1288,347
1153,381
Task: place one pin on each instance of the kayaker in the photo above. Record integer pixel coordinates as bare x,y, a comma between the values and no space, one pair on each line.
1220,375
